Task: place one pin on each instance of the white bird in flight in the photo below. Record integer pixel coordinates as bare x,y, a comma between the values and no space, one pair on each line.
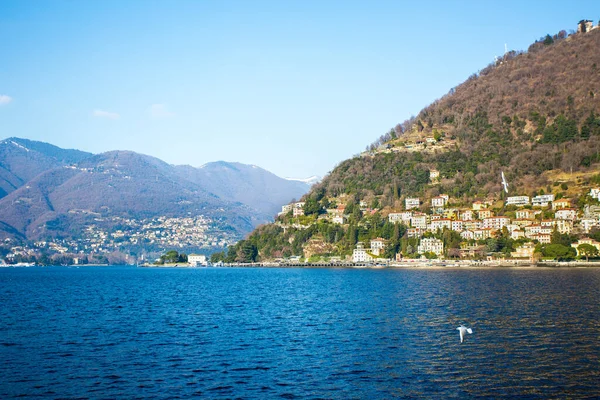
461,330
504,183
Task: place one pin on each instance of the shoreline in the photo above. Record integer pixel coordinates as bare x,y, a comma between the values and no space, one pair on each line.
517,264
435,264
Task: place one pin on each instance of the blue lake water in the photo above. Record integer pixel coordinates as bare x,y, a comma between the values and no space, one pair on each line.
126,332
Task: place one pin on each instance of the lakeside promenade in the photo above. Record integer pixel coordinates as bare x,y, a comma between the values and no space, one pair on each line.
399,264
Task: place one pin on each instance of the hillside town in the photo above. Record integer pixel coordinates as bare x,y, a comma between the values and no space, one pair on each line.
529,221
122,240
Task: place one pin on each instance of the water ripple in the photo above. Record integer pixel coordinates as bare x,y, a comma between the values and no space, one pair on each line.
123,332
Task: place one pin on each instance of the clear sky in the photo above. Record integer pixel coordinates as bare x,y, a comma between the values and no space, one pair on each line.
292,86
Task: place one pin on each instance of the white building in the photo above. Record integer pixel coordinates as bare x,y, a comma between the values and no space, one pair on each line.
566,213
467,235
360,254
564,225
196,260
589,241
440,223
401,217
298,208
517,200
419,221
587,224
286,209
496,223
542,200
377,246
431,245
411,202
338,219
525,214
439,201
414,232
457,225
467,215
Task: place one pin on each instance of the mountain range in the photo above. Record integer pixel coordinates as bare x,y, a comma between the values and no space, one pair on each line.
49,192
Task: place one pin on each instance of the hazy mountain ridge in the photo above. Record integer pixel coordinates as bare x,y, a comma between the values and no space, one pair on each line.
54,193
247,184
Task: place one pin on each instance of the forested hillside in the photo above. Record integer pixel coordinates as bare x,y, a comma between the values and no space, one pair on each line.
534,115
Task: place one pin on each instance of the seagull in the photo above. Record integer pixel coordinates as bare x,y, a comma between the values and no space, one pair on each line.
504,183
461,330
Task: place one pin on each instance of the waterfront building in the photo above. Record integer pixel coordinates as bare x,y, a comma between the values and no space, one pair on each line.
197,260
360,254
431,245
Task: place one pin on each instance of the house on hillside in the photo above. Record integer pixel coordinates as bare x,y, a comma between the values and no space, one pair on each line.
467,215
517,200
543,238
524,214
411,202
562,203
496,223
377,246
419,221
400,217
439,201
298,209
542,200
440,223
586,224
286,209
484,213
566,213
585,25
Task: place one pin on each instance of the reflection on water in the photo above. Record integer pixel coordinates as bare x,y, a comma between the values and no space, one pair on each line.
294,333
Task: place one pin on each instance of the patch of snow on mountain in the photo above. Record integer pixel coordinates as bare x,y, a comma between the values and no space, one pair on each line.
309,181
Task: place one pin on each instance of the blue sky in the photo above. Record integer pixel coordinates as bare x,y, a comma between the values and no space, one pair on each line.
294,87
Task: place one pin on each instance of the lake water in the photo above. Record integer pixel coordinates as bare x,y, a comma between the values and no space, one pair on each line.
126,332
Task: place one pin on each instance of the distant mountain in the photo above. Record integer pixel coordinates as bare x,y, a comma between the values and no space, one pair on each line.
49,192
309,181
21,160
117,183
247,184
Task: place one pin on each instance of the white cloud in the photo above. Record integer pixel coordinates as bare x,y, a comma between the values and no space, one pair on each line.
4,99
160,111
105,114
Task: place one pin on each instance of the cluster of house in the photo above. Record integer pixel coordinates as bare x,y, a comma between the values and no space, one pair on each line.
480,223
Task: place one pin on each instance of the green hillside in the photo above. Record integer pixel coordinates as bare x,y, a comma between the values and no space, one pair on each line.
534,115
